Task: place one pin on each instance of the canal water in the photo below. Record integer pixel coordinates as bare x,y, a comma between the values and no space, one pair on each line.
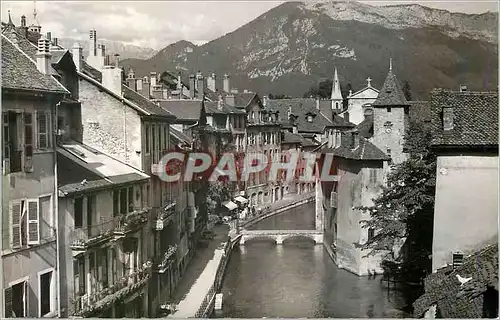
299,279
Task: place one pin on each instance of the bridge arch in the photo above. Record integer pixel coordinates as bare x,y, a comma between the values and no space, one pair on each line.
309,237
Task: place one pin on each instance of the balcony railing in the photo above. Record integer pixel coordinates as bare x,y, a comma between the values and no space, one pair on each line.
167,212
82,238
130,222
96,301
167,258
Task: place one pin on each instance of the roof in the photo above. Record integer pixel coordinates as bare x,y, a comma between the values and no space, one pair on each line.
454,300
19,72
391,93
180,136
289,137
90,71
144,102
300,107
475,118
186,110
213,108
25,45
365,151
241,99
79,162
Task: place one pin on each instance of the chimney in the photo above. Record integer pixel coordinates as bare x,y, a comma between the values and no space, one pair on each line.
235,90
201,87
179,82
112,79
146,87
463,88
49,37
93,43
211,82
43,55
117,59
230,100
55,42
157,92
23,21
448,118
77,55
139,85
226,84
165,94
317,103
152,79
131,81
198,75
264,100
192,82
103,51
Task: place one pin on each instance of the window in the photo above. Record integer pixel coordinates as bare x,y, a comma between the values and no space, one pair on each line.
373,176
16,300
24,222
458,259
102,268
43,121
28,140
309,118
147,139
389,152
79,275
46,293
123,201
389,109
153,132
46,218
78,211
116,202
130,199
371,234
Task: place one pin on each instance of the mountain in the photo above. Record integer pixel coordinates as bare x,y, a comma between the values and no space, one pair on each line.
125,51
294,45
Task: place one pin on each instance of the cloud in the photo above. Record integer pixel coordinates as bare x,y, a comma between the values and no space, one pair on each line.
148,24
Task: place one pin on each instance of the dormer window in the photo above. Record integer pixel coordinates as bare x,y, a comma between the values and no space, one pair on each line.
309,118
447,118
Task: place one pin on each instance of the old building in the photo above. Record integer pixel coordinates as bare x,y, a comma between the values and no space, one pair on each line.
465,139
30,95
359,166
311,119
360,102
137,131
390,118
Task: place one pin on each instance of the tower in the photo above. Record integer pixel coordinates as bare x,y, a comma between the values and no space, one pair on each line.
35,27
336,96
390,118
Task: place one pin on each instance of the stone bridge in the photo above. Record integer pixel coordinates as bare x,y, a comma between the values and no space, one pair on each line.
281,235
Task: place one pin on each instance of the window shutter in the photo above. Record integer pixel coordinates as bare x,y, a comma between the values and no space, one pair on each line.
8,302
28,141
6,144
33,222
43,120
15,223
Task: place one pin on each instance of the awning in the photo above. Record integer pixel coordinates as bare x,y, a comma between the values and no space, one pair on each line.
241,199
230,205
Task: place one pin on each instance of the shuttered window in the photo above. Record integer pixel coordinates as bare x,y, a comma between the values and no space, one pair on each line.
8,302
147,139
15,212
33,222
43,123
28,141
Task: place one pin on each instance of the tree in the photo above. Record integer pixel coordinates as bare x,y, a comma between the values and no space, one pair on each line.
407,90
218,192
403,212
278,96
322,90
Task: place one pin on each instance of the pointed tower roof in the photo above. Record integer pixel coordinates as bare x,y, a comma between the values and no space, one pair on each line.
391,93
336,94
10,23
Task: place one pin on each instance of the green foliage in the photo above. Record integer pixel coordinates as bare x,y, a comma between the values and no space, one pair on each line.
218,192
404,209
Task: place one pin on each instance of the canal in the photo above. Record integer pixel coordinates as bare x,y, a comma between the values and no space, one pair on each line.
299,279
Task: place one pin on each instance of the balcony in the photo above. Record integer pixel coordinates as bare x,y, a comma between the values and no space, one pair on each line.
165,215
89,304
130,222
83,238
168,257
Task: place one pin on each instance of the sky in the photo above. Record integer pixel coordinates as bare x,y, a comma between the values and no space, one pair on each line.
157,24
